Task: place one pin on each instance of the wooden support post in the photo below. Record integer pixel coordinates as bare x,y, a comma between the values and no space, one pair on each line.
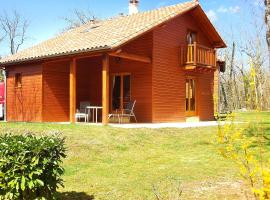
105,89
72,90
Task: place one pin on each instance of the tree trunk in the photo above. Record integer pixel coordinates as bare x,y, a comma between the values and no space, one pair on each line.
224,97
267,22
231,81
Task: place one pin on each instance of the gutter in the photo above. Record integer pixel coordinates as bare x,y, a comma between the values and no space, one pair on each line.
40,58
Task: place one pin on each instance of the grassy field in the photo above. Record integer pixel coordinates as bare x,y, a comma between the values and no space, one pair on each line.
112,163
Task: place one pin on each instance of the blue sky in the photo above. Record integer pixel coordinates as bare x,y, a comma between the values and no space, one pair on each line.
46,16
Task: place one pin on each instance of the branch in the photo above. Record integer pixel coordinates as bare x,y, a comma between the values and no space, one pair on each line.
14,27
78,18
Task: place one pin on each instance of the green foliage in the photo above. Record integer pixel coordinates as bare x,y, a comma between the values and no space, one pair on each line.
246,145
30,166
1,74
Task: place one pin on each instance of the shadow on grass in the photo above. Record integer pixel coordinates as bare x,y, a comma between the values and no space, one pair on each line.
75,196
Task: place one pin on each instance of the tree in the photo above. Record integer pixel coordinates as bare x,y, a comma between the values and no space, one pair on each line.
78,18
1,38
267,22
14,28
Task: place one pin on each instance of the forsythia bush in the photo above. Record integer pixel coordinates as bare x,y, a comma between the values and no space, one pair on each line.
30,166
245,145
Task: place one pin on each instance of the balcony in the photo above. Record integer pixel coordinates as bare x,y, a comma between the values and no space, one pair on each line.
196,55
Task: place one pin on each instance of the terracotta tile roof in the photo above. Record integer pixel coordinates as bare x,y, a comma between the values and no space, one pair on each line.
106,34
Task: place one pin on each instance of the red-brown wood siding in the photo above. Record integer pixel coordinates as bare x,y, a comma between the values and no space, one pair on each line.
205,100
56,92
89,81
169,77
24,103
141,75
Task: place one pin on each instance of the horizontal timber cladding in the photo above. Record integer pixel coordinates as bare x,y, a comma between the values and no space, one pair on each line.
141,75
205,95
168,74
24,103
56,91
89,81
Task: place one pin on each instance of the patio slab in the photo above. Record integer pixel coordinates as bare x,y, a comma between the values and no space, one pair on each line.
167,125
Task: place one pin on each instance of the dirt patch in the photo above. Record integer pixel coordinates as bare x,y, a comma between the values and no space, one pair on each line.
216,189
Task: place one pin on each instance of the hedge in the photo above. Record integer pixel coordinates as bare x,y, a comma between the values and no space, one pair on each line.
31,166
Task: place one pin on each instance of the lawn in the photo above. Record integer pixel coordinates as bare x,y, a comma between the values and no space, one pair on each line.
112,163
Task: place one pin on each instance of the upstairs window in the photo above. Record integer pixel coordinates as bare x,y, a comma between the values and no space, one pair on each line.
18,80
191,37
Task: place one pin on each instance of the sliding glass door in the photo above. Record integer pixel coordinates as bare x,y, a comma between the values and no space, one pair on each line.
120,91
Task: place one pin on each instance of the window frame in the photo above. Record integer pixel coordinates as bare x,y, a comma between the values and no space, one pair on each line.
18,80
190,113
189,31
121,89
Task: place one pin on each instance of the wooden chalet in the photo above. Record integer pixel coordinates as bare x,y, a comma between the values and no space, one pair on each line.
165,59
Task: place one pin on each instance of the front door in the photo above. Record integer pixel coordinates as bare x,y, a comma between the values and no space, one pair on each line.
120,91
190,97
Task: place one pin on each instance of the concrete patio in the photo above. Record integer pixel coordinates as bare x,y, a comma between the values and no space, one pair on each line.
167,125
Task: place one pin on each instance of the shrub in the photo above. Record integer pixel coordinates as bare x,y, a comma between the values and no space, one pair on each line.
245,144
30,166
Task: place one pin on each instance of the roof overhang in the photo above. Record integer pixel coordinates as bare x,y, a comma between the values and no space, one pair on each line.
196,12
87,52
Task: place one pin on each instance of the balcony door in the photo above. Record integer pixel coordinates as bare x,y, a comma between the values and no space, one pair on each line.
191,97
191,37
120,91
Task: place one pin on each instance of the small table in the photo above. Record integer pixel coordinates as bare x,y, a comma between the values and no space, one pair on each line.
95,111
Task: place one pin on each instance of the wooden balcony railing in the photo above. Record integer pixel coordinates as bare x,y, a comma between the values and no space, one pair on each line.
198,55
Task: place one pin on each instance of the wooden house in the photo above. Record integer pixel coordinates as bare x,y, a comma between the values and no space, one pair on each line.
165,59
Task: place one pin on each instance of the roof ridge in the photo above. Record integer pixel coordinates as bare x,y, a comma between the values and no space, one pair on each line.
195,2
110,33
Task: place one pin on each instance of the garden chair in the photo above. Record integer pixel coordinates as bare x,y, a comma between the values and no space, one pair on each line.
83,113
129,111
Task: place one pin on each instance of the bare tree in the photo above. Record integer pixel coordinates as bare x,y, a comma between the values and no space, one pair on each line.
1,38
267,22
14,27
78,18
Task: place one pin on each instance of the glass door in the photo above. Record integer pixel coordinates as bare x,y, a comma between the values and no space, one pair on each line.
190,97
120,91
116,92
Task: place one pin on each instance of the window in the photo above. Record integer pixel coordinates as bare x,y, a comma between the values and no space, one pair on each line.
18,80
191,37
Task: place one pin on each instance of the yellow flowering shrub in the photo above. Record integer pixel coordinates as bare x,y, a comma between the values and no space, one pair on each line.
243,143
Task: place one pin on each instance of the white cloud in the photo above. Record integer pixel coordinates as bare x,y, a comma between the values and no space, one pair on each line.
231,9
222,9
235,9
212,15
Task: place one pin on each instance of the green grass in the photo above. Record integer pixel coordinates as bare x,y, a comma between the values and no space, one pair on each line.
112,163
